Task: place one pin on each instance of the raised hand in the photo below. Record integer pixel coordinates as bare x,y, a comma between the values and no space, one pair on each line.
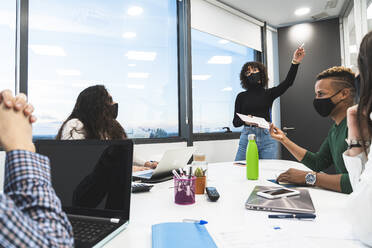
276,133
299,54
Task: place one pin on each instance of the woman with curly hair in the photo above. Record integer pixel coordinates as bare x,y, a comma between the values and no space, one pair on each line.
358,157
94,117
257,100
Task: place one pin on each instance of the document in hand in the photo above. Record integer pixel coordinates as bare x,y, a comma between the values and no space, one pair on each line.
181,235
261,122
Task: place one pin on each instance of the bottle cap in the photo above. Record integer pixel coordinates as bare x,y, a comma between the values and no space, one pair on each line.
251,137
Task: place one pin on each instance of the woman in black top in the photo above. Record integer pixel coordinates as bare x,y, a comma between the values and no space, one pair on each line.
257,100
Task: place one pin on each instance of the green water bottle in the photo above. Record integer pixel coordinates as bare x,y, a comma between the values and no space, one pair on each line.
252,158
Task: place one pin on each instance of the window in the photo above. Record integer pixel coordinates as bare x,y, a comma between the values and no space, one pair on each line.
216,65
128,46
7,44
353,47
369,15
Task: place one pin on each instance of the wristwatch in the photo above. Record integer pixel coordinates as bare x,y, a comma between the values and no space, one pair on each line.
356,143
310,178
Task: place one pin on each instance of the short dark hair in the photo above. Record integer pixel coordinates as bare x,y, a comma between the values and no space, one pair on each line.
342,78
263,74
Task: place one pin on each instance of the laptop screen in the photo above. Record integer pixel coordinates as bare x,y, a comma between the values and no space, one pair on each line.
91,177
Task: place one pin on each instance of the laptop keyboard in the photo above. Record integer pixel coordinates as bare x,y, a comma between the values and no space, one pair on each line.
89,231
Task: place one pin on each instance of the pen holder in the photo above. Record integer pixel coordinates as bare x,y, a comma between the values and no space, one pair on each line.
184,191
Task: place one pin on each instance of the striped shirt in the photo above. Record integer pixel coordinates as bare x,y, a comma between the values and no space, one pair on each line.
31,214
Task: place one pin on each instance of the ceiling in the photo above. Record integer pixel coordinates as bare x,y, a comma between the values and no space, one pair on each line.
279,13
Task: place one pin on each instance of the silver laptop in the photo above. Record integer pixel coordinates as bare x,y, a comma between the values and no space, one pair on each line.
172,159
294,204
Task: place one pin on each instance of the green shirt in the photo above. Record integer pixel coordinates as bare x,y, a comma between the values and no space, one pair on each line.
330,152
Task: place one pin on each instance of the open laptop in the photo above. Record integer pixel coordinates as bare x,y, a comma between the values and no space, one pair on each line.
92,178
172,159
293,204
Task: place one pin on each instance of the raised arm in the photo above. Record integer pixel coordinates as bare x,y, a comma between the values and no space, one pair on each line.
279,90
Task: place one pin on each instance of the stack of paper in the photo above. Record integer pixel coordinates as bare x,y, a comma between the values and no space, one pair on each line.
260,122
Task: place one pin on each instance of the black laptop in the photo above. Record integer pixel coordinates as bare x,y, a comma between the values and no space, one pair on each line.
93,180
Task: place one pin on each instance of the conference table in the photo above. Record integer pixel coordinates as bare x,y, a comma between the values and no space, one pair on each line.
232,225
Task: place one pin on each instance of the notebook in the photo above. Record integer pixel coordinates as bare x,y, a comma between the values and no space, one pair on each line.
261,122
181,235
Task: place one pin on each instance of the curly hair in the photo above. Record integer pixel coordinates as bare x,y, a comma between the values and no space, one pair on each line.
257,65
342,78
365,72
93,108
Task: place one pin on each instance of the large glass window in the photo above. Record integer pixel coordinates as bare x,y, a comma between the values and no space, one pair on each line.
369,15
216,65
7,44
129,46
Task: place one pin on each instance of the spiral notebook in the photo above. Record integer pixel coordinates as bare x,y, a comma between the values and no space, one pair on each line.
181,235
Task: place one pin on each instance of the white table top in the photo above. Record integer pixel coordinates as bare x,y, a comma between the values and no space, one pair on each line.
230,223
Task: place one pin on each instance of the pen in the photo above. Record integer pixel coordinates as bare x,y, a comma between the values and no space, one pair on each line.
181,172
201,222
176,174
292,216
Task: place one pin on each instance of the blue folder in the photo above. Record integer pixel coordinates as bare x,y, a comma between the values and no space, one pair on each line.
181,235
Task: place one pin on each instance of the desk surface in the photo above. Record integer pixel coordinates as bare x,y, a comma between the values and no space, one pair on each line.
230,223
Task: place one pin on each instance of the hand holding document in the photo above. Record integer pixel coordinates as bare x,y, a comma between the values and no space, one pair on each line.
260,122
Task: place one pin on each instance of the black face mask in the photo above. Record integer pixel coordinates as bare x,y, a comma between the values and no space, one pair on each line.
254,79
115,110
324,106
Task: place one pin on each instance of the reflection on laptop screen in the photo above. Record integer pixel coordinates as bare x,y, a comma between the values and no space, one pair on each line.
91,174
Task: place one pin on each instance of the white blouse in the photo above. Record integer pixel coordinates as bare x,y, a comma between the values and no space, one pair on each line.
74,129
359,204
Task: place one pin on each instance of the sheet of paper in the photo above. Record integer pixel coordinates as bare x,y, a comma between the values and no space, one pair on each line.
261,122
286,234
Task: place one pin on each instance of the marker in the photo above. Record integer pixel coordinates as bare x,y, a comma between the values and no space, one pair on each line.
181,172
292,216
302,45
201,222
176,174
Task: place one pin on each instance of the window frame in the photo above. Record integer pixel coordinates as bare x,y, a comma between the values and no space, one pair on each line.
185,110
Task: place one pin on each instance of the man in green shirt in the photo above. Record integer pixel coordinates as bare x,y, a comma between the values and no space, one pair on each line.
335,92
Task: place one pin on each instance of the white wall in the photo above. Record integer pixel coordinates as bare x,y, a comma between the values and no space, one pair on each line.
155,151
216,150
273,71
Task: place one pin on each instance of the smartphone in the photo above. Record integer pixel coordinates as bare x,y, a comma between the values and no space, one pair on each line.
278,193
239,163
